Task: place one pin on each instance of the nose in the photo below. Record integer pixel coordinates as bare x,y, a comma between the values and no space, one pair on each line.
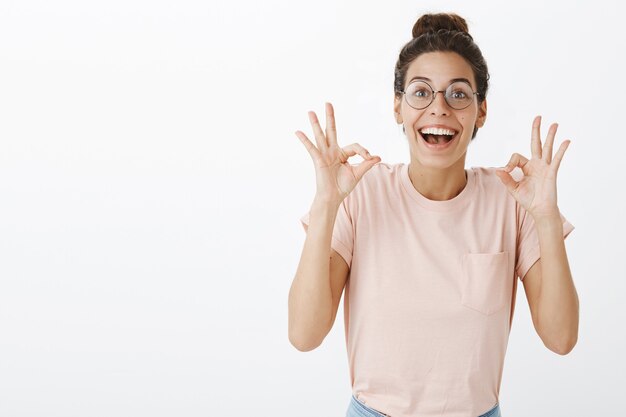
439,105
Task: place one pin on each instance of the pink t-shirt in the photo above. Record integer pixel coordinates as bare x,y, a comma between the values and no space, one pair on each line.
429,301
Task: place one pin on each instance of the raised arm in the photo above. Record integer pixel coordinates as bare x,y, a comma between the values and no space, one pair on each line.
321,274
549,286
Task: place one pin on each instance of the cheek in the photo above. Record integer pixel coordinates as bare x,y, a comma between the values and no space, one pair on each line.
411,116
468,119
464,121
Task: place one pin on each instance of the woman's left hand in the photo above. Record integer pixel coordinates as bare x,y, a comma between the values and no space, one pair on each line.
536,191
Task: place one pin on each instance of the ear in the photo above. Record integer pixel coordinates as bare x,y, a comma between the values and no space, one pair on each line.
397,102
482,114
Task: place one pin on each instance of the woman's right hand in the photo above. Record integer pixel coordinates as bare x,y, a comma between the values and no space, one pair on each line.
335,177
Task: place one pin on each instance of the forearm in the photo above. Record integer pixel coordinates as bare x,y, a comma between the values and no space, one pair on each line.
558,307
310,296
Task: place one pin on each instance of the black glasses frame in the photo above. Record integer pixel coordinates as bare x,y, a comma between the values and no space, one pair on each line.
475,93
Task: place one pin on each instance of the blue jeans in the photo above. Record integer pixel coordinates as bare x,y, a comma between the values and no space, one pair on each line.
358,409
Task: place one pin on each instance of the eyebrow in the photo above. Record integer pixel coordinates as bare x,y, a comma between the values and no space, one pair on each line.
451,81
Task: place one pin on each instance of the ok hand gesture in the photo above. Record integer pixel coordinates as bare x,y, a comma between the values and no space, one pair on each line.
335,177
536,191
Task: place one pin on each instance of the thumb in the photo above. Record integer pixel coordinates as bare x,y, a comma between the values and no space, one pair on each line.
365,166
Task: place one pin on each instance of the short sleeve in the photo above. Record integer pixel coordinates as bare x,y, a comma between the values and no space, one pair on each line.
528,241
343,233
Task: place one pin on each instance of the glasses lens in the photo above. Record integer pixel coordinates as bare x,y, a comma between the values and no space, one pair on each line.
459,95
419,94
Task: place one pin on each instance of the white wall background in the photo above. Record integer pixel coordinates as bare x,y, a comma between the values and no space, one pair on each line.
151,185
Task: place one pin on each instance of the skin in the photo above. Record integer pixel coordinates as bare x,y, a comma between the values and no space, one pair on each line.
440,175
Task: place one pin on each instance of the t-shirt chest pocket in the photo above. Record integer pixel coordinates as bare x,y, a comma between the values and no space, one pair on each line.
484,285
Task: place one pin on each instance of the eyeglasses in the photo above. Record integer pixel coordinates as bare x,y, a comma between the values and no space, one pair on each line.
458,95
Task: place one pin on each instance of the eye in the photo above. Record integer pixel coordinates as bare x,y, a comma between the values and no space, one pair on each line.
459,91
458,94
421,92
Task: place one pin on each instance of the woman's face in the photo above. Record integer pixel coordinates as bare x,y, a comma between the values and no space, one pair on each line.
438,69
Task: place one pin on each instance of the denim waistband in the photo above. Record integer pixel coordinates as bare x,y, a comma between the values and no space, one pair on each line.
358,409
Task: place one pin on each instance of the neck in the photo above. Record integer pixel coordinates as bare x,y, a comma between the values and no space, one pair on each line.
438,184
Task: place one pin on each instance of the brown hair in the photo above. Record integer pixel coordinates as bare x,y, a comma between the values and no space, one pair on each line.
442,32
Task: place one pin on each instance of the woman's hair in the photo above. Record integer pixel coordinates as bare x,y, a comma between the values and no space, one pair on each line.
442,32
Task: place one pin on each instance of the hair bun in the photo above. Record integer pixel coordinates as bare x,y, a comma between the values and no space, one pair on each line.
438,21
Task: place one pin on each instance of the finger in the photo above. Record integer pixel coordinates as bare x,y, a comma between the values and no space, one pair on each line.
547,148
356,149
322,143
535,141
313,151
558,157
365,166
516,160
331,128
507,180
343,157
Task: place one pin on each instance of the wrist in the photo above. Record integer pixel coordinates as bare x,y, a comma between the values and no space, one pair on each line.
321,205
548,219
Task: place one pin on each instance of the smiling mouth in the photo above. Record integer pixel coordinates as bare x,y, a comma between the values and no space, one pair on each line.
436,136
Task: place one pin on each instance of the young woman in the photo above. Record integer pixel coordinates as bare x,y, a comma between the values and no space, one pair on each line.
429,252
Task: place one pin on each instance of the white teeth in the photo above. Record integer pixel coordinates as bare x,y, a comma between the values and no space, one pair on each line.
437,131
